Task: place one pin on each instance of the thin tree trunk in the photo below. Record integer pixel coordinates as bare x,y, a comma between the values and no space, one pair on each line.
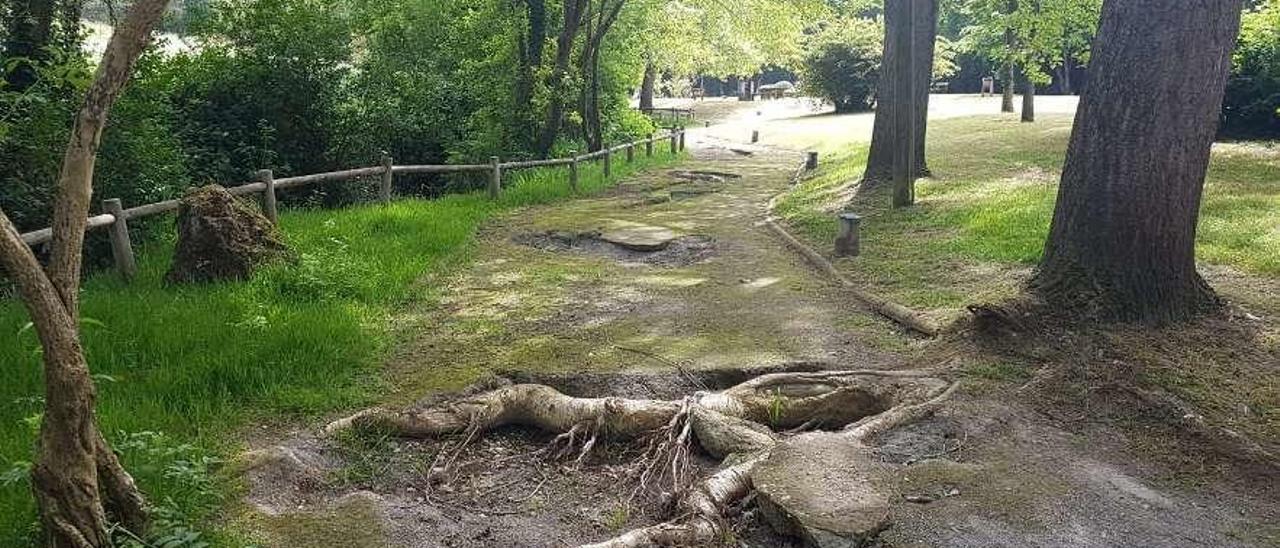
1122,243
573,11
1010,73
1066,75
74,467
530,55
904,128
1028,100
647,85
880,158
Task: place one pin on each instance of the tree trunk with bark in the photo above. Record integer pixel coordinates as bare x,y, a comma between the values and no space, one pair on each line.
1028,100
596,30
880,159
78,482
1122,243
1006,102
530,59
572,24
647,85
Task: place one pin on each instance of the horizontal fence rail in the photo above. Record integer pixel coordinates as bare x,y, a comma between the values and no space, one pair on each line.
116,217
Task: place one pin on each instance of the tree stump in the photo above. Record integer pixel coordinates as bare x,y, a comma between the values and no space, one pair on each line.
221,238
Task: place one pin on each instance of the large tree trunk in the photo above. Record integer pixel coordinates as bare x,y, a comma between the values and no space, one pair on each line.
77,480
880,159
646,86
1028,100
1122,244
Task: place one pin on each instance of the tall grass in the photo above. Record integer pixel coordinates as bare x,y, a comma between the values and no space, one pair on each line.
180,370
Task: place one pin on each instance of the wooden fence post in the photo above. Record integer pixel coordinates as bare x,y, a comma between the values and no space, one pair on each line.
608,161
573,174
648,146
681,139
812,162
121,245
384,193
631,153
269,208
848,242
755,136
495,181
674,144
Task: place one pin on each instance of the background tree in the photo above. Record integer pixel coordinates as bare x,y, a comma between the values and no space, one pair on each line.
1122,242
1030,39
77,478
842,63
1252,105
880,159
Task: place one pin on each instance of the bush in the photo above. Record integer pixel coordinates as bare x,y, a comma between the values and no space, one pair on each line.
1252,104
842,63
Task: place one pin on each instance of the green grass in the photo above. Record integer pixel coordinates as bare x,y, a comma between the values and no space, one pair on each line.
987,211
196,365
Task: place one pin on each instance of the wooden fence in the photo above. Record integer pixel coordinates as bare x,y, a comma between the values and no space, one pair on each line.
677,115
115,217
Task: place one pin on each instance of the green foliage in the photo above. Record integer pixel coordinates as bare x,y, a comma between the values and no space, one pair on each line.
842,63
198,363
1252,104
1033,35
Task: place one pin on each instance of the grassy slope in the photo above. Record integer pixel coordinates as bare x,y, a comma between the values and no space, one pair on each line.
980,224
194,364
990,203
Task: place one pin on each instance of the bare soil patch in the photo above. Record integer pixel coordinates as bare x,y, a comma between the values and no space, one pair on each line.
682,251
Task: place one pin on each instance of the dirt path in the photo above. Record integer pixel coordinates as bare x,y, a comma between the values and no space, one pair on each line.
546,300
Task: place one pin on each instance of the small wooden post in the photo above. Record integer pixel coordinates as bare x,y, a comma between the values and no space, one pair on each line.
495,181
269,196
631,153
608,162
648,146
121,245
384,193
707,123
848,243
573,174
811,163
681,139
755,136
674,144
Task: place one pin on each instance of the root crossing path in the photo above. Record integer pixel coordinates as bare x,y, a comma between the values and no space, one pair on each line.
652,367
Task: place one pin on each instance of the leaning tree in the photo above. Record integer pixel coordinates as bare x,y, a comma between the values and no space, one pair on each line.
78,482
1122,243
924,22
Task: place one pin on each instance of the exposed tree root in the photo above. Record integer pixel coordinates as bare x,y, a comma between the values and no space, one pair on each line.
738,424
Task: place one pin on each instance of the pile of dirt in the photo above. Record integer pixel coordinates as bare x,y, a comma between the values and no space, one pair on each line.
680,251
221,238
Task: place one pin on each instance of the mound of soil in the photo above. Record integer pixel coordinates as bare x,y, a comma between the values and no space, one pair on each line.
221,238
681,251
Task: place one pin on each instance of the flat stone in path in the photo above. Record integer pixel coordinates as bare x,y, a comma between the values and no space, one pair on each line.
639,237
819,487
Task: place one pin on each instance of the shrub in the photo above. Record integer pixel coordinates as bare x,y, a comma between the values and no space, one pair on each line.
1252,104
842,63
